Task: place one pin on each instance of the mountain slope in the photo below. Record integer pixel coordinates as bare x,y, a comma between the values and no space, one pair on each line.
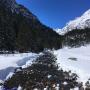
20,30
81,22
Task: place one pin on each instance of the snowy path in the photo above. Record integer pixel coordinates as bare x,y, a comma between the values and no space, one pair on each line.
81,64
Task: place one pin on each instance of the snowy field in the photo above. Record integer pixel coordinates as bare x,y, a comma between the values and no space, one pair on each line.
75,59
9,62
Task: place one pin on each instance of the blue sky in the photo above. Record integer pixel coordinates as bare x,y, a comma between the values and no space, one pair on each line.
56,13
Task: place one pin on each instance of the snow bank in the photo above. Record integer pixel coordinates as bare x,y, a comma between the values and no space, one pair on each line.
75,59
9,62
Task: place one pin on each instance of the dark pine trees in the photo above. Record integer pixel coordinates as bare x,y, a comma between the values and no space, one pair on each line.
21,31
77,37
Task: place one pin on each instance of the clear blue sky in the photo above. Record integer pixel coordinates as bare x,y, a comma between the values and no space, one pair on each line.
56,13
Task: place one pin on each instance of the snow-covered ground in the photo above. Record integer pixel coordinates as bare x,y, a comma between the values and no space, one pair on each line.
75,59
9,62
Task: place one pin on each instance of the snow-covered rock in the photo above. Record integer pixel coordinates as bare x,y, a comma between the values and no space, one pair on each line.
78,23
9,75
57,87
65,83
1,81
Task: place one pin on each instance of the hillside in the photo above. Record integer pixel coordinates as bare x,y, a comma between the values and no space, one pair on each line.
77,38
21,31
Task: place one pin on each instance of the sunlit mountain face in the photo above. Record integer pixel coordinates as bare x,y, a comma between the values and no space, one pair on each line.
81,22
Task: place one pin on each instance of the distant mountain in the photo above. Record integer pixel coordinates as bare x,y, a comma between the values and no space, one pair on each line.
81,22
20,30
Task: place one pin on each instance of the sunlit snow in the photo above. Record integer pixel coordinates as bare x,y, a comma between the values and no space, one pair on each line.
8,62
75,59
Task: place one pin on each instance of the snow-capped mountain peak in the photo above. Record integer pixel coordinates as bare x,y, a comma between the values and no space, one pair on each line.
87,12
78,23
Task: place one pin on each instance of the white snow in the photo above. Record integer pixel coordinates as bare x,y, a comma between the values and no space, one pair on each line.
75,59
1,88
65,83
75,89
81,64
1,81
9,62
49,76
9,75
79,23
57,87
19,88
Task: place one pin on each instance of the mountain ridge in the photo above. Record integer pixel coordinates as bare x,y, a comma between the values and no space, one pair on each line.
81,22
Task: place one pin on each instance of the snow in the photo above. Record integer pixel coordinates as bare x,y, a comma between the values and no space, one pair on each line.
80,65
75,59
57,87
19,88
49,76
1,81
65,83
1,88
9,62
46,88
9,75
75,89
79,23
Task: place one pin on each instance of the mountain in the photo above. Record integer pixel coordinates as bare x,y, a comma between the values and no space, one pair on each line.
21,31
81,22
